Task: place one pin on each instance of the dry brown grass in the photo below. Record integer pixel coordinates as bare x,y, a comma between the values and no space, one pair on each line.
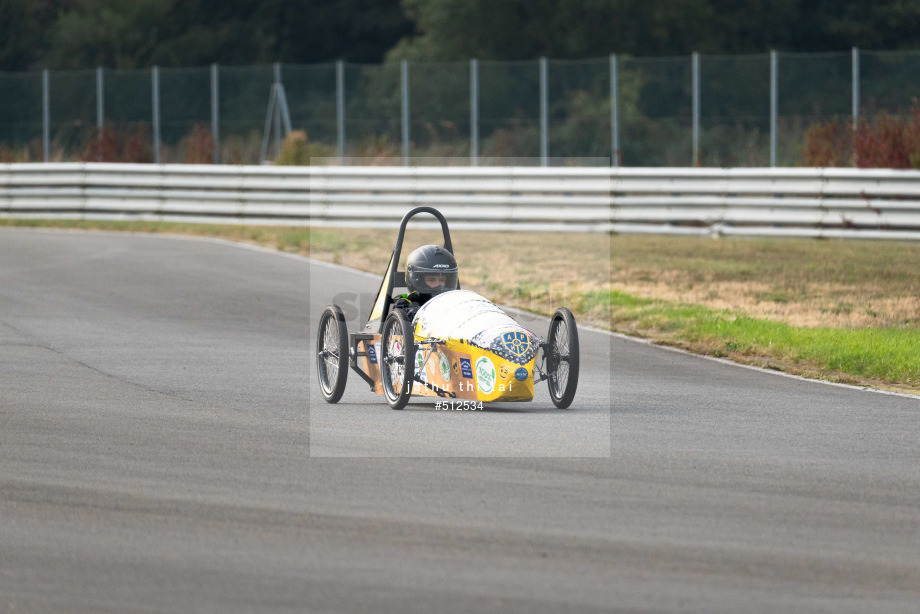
516,269
801,282
844,284
823,304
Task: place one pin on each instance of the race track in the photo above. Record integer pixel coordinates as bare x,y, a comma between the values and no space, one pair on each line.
164,448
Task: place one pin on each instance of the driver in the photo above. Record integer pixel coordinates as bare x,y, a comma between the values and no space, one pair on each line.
430,270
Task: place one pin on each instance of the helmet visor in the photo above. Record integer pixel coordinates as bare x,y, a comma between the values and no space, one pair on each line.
434,281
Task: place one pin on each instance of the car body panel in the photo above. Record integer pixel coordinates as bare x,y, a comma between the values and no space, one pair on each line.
459,371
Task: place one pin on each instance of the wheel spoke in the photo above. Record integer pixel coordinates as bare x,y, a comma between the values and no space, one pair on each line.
330,352
397,347
560,341
394,369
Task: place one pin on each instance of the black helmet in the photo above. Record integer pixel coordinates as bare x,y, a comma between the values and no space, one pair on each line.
431,264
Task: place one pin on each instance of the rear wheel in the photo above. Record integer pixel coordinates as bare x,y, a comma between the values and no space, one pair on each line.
562,358
397,359
332,353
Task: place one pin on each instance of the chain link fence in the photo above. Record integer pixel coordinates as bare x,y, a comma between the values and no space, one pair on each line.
725,111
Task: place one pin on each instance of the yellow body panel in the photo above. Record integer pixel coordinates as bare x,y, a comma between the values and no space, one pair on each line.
464,371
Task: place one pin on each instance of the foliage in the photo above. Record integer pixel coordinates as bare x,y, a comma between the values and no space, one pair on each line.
890,141
14,154
102,147
112,33
138,33
109,144
297,150
455,29
198,146
22,27
893,142
828,144
137,145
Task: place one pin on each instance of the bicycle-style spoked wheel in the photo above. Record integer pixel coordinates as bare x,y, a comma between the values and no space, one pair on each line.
562,358
332,353
397,366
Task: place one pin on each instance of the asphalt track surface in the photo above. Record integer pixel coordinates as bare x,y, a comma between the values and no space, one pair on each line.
156,455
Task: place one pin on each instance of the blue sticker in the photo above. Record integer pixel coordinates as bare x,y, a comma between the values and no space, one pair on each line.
372,354
521,374
466,368
516,342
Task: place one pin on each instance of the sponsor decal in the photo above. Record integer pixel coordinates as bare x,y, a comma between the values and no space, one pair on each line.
445,367
521,374
503,371
516,342
466,368
485,375
420,366
455,366
442,266
372,354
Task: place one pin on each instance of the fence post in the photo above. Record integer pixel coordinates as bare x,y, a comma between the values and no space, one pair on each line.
155,88
544,112
404,79
276,87
614,111
100,99
46,116
340,108
774,104
855,88
474,112
215,112
695,64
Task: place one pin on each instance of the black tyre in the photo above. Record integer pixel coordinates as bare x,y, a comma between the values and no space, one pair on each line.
332,353
397,359
562,358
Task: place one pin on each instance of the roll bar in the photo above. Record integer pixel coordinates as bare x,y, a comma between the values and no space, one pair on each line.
395,278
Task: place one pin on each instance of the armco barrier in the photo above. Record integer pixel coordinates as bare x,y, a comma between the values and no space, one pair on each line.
802,202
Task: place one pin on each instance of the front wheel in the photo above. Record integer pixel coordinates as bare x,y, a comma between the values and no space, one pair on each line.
397,356
332,353
562,358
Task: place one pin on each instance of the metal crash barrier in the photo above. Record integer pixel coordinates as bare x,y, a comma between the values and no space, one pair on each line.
798,202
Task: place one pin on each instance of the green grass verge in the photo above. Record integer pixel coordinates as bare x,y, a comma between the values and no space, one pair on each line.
890,355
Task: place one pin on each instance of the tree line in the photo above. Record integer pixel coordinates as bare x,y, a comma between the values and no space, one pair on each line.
73,34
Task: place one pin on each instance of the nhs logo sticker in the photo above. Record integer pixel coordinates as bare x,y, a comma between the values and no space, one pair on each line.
466,368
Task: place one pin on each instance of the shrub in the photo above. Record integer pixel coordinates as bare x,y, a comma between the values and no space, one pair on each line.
890,141
376,150
297,150
104,146
9,155
128,144
894,142
137,147
199,146
828,144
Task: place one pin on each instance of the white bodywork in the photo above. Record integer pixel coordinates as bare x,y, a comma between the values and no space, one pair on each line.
463,314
